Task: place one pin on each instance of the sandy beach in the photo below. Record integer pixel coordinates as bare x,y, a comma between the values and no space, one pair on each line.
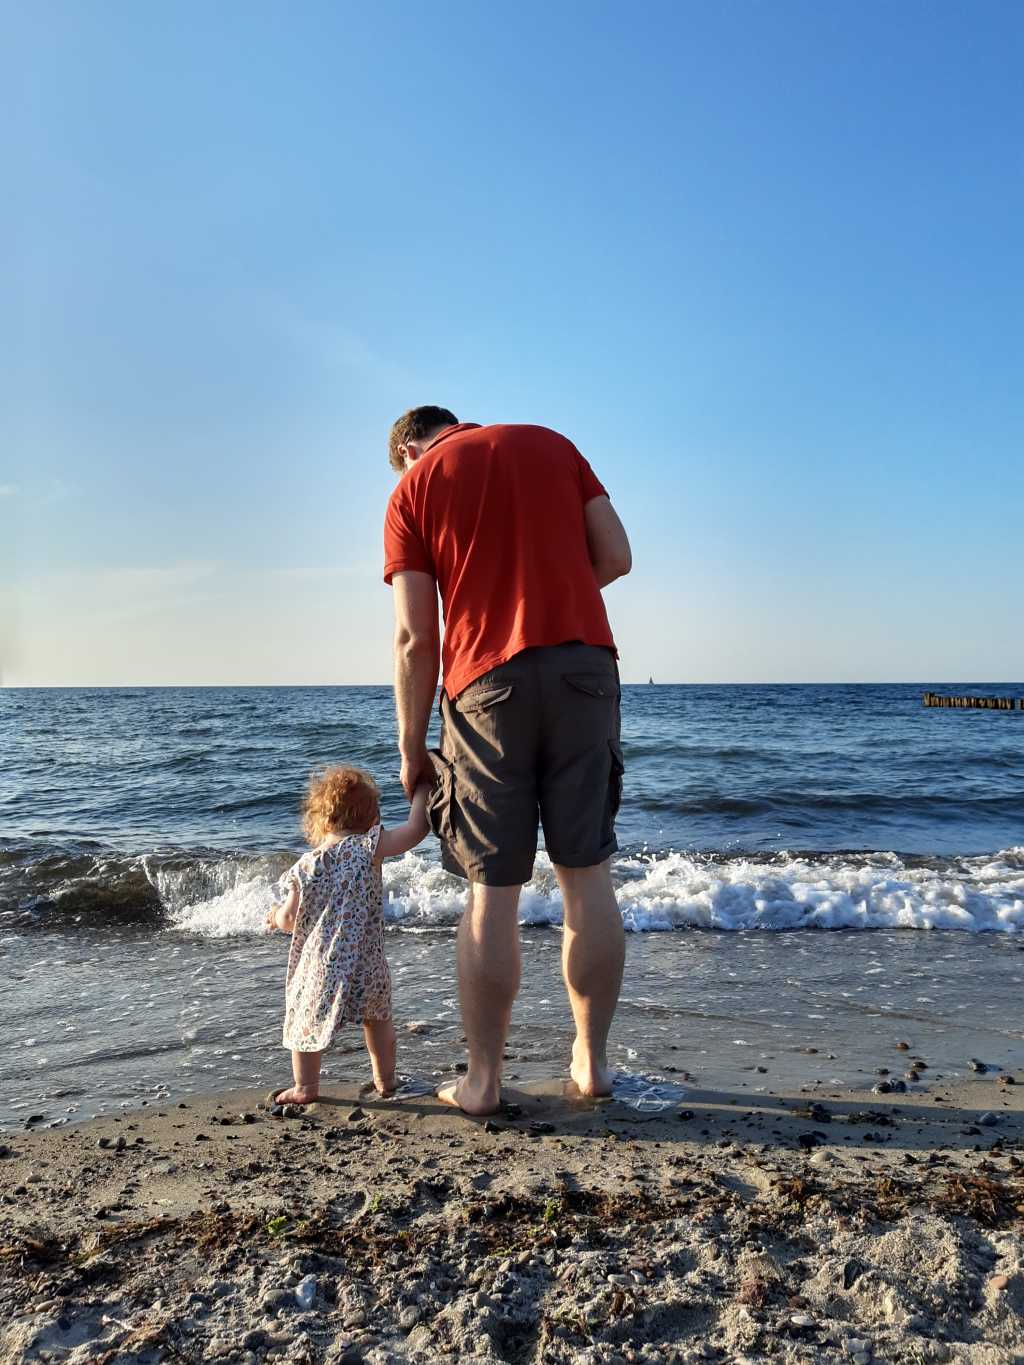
803,1227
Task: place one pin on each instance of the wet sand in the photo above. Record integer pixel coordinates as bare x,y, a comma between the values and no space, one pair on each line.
732,1227
754,1012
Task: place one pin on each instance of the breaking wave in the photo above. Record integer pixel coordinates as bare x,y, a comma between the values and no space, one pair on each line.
213,894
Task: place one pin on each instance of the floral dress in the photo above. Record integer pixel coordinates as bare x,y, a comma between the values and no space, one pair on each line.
337,971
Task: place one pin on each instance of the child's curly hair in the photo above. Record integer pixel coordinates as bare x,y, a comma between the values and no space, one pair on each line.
340,798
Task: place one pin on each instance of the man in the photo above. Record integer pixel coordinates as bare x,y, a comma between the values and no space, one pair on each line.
513,528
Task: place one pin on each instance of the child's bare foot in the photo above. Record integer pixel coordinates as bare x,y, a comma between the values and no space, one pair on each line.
470,1099
593,1079
297,1094
384,1085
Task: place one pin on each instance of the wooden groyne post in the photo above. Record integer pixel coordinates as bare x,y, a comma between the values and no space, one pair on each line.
973,703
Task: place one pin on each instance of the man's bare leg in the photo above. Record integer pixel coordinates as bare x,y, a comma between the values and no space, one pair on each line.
488,962
593,953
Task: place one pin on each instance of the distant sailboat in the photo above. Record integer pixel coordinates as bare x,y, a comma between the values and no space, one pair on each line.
650,682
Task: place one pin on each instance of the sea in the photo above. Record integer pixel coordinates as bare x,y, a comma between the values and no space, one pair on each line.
807,875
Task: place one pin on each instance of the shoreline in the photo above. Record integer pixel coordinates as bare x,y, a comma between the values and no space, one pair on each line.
731,1226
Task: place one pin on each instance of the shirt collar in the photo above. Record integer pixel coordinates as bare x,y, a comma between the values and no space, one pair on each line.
451,431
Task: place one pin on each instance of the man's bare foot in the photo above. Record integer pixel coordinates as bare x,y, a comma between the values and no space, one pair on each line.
297,1094
470,1099
592,1079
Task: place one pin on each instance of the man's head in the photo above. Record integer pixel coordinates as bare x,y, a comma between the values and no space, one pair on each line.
413,432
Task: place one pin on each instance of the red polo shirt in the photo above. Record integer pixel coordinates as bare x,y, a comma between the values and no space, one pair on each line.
495,514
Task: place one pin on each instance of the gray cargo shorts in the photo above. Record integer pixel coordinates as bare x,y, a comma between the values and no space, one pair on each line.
535,740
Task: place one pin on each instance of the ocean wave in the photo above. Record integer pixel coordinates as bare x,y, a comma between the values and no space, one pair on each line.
805,804
217,895
661,892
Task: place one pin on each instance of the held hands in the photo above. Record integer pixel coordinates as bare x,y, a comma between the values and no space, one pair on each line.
417,770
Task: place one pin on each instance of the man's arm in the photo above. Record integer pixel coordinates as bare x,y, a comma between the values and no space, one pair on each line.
417,661
607,541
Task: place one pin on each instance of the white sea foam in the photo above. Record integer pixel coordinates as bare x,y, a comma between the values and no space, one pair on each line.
664,892
976,895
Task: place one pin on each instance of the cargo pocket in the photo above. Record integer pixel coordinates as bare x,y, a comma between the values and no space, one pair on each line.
471,702
441,798
593,684
615,777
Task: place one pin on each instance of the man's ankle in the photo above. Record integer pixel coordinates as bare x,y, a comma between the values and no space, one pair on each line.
483,1083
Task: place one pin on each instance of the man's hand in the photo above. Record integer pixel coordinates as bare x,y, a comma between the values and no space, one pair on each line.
417,770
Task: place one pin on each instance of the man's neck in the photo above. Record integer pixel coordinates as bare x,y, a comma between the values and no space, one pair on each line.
436,435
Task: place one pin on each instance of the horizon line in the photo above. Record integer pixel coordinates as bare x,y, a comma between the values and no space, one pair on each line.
836,682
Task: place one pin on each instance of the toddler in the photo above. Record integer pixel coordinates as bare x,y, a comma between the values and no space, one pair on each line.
333,908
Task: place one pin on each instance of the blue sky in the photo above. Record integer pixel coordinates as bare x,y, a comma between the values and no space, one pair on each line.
762,262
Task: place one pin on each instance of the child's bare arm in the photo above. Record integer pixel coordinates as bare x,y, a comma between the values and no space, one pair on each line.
404,837
283,916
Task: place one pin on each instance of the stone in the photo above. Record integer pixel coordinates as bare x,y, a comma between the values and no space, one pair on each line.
988,1120
409,1318
305,1292
975,1065
276,1300
852,1272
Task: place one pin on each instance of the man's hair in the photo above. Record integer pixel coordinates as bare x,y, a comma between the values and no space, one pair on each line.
415,425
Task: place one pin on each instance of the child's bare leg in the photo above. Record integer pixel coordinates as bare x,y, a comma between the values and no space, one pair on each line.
380,1044
306,1070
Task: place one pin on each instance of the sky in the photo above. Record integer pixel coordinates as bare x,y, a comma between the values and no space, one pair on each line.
763,263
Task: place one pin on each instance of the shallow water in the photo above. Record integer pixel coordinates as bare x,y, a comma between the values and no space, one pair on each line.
201,1015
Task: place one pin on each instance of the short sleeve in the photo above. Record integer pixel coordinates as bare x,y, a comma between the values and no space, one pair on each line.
403,543
296,878
372,838
590,484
